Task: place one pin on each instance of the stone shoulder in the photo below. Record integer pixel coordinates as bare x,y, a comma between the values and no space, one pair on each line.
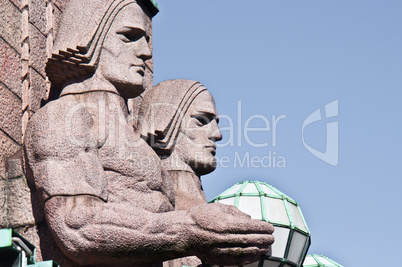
59,127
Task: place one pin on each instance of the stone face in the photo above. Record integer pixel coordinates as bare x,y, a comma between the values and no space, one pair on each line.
37,14
148,78
10,68
10,114
179,119
149,62
10,16
37,45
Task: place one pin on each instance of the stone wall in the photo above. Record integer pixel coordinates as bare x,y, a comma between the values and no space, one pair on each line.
26,39
27,31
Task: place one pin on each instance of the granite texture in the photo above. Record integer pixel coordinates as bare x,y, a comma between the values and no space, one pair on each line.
19,209
37,47
61,4
10,68
14,165
16,209
3,206
38,91
10,114
37,14
8,149
17,3
56,18
10,15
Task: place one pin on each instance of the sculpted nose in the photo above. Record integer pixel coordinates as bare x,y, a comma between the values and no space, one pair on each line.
216,134
143,51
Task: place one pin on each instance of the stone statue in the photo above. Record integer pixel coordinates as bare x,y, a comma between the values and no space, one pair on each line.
100,195
178,118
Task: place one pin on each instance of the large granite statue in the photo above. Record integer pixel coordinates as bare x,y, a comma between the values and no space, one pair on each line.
178,119
99,192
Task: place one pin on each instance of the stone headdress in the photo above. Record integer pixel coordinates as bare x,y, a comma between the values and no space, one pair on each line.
162,111
82,31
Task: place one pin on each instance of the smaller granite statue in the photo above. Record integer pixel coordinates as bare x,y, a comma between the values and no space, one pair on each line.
178,118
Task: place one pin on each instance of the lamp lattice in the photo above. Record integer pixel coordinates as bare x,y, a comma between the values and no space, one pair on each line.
264,202
315,260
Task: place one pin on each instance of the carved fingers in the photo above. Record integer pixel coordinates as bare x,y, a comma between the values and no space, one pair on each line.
227,236
222,218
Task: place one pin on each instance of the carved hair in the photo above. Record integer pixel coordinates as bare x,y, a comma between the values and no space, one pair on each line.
83,29
162,111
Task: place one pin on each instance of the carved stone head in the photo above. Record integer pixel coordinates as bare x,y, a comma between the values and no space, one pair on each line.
179,117
106,36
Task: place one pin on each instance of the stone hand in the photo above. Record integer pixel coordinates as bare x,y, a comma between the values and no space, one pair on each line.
226,236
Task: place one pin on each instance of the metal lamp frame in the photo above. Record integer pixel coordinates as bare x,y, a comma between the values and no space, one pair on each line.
292,227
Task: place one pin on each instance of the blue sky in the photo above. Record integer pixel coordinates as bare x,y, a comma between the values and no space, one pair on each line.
290,58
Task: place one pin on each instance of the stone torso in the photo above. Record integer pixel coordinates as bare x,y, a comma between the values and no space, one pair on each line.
133,171
99,125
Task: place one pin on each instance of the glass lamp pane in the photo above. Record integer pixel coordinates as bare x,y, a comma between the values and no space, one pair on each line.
250,188
268,263
233,190
309,261
227,201
276,210
281,239
296,247
268,190
296,216
326,262
251,206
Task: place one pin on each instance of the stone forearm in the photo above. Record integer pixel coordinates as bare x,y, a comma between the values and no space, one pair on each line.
91,231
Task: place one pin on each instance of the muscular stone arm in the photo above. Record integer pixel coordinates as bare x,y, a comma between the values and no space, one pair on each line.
92,232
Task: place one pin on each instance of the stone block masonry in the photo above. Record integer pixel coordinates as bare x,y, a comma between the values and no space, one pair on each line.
10,68
10,87
26,39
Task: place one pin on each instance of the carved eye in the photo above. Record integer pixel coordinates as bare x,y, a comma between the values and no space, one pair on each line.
129,35
202,120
